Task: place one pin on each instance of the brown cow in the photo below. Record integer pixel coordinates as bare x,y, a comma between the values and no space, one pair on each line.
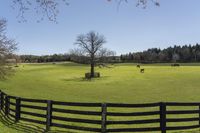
138,66
142,70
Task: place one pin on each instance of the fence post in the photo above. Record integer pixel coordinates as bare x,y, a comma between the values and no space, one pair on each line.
103,118
199,115
163,117
49,115
6,105
1,100
17,109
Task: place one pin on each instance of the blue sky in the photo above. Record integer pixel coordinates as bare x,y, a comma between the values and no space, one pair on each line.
127,29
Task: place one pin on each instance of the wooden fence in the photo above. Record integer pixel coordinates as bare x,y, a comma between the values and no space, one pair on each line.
13,107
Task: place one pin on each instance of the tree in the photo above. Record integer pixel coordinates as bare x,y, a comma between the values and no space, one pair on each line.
50,8
175,57
90,44
142,3
47,8
77,55
104,55
7,47
185,53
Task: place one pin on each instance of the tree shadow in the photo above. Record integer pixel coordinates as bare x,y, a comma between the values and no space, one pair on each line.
25,127
76,79
83,79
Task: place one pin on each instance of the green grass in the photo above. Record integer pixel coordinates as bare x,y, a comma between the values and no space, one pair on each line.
123,83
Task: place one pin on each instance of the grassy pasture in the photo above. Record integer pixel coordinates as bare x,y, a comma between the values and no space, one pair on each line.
123,83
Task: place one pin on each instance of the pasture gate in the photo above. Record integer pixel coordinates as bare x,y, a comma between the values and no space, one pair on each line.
112,117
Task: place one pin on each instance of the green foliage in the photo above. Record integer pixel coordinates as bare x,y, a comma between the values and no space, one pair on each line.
44,58
186,53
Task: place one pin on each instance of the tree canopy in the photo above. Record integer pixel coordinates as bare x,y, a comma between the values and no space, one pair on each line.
90,44
50,8
185,53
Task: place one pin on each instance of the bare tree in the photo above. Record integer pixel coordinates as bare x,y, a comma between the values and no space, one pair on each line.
76,52
142,3
50,8
46,8
77,55
104,54
7,47
90,44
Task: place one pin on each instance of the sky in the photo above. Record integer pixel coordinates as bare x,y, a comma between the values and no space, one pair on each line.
127,28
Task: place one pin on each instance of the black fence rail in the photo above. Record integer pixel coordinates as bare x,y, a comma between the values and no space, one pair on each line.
110,118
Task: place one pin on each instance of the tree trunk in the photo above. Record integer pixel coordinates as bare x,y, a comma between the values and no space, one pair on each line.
92,67
92,70
195,57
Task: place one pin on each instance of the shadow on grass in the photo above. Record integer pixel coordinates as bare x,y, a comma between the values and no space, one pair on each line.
25,127
30,128
196,131
83,79
72,64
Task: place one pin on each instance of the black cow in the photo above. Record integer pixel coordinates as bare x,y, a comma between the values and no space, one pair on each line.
142,70
175,64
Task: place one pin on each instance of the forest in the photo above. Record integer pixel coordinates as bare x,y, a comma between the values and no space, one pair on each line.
185,53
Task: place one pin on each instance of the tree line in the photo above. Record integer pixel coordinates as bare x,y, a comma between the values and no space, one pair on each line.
44,58
64,57
186,53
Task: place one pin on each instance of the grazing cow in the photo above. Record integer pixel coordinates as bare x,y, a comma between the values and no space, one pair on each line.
142,70
138,66
175,64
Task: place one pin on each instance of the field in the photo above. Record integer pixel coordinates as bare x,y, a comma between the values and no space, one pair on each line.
122,83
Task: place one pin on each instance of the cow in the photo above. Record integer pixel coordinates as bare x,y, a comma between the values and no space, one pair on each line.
142,70
138,66
175,64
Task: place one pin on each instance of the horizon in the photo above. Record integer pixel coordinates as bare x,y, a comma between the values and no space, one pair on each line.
127,29
117,54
